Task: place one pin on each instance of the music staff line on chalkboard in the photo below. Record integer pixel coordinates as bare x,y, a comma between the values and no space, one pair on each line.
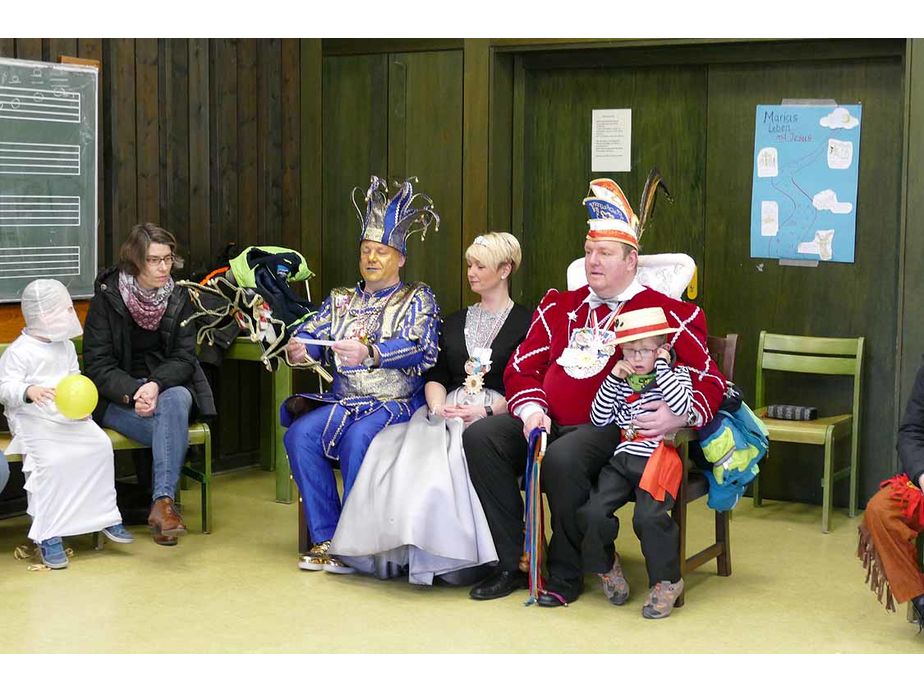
55,159
39,210
35,261
50,105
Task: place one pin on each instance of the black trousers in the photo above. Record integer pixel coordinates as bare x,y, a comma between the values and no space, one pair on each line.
496,452
652,522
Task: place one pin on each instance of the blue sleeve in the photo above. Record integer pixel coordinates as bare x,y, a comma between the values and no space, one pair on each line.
416,346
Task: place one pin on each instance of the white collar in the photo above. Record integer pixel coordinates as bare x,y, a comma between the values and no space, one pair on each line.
626,294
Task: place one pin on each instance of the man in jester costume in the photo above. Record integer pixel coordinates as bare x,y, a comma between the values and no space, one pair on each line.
378,338
551,381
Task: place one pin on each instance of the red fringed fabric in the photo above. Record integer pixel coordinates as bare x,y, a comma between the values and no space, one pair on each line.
908,496
875,577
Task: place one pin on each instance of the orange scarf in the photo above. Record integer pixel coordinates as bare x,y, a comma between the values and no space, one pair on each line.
663,473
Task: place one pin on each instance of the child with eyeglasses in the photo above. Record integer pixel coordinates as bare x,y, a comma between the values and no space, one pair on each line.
643,469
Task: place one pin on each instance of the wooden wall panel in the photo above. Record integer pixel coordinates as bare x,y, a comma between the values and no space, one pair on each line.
428,117
60,46
355,127
555,118
248,377
121,210
290,135
745,294
224,153
92,49
201,259
405,120
29,49
147,129
270,111
247,179
225,171
174,128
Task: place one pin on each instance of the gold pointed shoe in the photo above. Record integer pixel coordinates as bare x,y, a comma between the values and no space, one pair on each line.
316,558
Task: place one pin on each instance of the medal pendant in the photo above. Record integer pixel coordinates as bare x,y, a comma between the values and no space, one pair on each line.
474,384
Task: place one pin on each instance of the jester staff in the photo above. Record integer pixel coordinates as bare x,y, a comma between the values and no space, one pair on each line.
534,515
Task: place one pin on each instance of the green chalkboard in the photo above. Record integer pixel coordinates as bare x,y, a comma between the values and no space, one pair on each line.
48,181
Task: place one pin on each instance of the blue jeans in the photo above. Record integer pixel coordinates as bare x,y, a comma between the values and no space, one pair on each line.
4,471
166,433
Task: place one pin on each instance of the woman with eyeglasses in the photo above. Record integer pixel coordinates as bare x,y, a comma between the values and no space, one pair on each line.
143,362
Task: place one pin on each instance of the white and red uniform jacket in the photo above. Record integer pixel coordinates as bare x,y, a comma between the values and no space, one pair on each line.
533,378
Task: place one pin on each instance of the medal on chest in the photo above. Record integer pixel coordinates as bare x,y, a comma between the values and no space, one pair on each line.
590,347
480,330
363,322
476,367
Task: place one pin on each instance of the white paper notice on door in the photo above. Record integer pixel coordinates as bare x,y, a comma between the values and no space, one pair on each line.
611,140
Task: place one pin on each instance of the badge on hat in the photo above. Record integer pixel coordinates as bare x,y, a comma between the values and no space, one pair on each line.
610,216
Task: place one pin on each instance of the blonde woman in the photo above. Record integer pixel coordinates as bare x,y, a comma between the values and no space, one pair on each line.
413,508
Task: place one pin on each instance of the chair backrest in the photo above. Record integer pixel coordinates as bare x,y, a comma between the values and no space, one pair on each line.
669,273
816,355
723,350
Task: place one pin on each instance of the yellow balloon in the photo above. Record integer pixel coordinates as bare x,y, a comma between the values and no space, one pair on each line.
76,396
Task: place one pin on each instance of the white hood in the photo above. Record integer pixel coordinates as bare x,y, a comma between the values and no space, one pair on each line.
49,312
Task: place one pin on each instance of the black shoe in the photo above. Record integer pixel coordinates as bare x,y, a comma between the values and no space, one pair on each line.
918,605
560,593
500,584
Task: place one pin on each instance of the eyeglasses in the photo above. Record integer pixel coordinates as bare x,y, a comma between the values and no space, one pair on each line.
638,353
154,261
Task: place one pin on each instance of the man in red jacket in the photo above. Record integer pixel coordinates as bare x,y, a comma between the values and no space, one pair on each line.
550,382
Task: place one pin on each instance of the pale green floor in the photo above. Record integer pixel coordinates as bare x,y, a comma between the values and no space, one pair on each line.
792,589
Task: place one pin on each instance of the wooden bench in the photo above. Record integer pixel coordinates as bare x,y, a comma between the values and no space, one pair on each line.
199,435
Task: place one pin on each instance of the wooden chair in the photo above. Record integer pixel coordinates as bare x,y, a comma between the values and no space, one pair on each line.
822,356
694,484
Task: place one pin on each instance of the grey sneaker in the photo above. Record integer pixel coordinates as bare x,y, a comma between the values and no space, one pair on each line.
317,556
615,586
662,598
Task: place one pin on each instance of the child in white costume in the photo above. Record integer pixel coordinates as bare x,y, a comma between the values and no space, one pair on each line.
70,477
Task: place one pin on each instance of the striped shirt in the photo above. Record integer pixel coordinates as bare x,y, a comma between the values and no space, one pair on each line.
617,403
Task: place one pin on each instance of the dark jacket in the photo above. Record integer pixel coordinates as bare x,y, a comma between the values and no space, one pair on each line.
107,348
911,431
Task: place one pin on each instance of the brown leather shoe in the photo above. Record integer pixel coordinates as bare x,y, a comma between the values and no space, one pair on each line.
165,520
164,540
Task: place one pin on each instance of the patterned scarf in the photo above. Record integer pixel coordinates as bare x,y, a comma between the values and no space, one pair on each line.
639,381
146,306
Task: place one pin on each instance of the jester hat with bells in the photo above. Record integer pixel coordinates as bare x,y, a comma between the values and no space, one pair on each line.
391,221
610,216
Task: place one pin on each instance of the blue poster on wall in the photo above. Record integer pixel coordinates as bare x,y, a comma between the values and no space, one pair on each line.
804,199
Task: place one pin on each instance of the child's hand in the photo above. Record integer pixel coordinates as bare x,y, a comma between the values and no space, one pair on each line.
40,395
664,353
623,369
